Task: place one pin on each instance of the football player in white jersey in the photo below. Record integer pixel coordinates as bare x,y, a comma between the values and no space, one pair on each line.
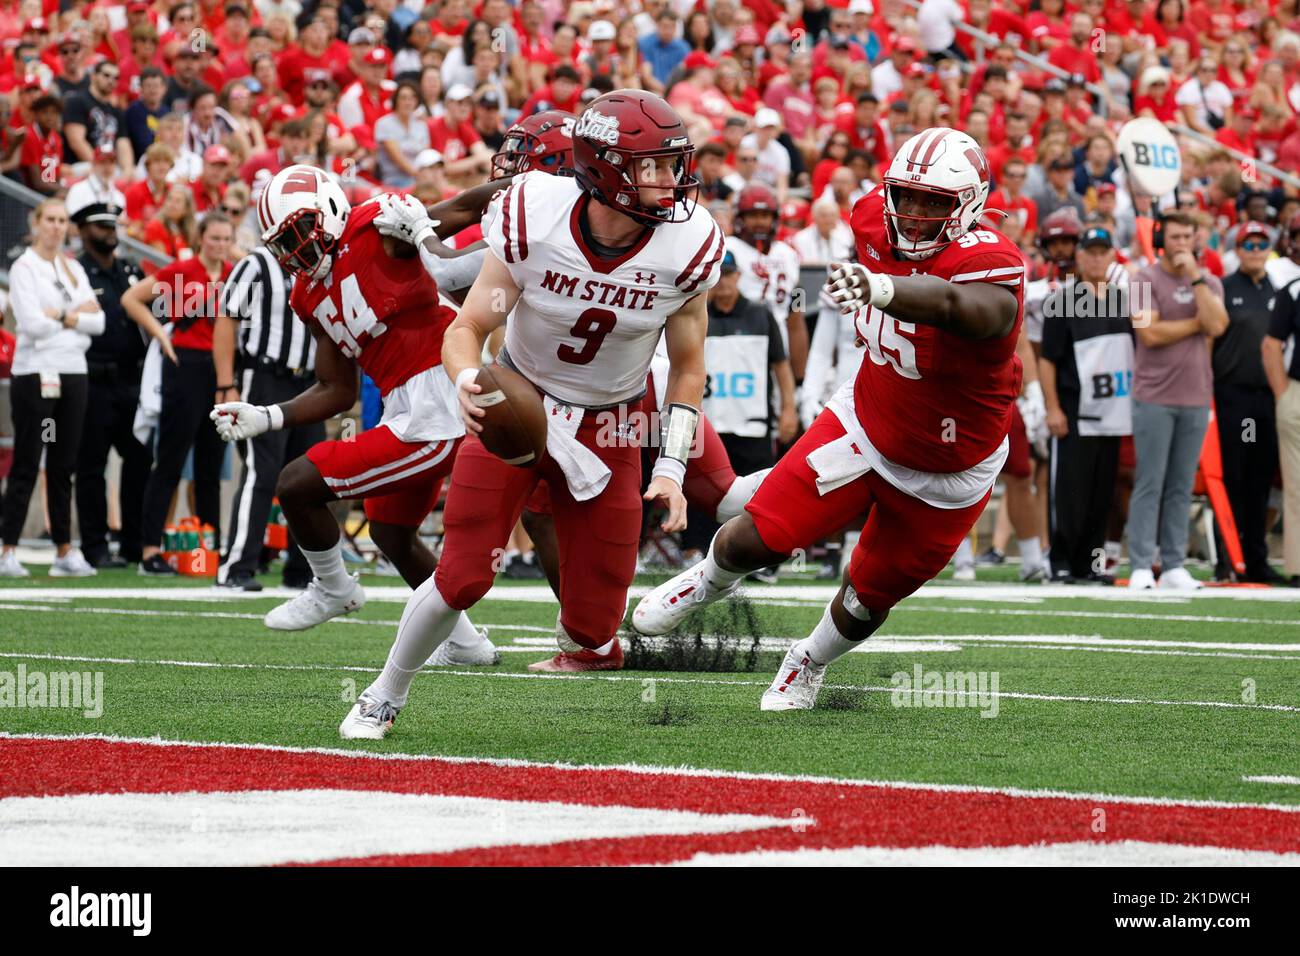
595,268
769,268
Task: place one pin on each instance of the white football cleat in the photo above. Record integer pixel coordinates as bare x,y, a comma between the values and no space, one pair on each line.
964,572
480,654
1141,579
796,684
369,719
314,606
1178,579
1030,573
672,602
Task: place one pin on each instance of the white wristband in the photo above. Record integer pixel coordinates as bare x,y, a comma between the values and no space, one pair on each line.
670,468
466,375
275,415
882,289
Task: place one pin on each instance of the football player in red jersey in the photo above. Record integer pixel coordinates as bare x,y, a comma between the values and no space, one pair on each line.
591,270
370,303
916,441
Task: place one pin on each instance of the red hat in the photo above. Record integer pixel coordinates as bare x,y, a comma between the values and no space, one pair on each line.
216,153
698,58
282,113
916,69
104,151
1106,188
1253,228
135,6
747,34
36,25
378,54
32,81
905,44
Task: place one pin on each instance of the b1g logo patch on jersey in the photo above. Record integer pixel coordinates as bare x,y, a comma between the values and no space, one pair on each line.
597,126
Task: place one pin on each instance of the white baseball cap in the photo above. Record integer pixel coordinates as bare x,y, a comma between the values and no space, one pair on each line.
601,30
427,158
458,91
767,117
861,6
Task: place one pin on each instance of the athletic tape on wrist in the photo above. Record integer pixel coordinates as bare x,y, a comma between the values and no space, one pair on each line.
677,432
466,375
275,415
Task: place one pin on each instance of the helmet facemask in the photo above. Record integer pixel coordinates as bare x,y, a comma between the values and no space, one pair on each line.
301,245
933,232
627,199
760,239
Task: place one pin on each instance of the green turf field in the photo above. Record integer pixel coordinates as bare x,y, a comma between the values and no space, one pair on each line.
1163,697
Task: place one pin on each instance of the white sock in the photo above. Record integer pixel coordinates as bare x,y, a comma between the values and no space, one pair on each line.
463,633
825,643
718,576
426,622
965,556
328,567
1031,552
738,495
1113,550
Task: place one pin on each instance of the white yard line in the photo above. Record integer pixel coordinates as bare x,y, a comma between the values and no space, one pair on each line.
686,771
640,679
1288,781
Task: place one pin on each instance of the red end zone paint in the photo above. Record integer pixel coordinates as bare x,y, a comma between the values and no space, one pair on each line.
822,814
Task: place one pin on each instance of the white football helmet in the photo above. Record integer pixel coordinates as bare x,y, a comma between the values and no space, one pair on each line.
937,160
302,212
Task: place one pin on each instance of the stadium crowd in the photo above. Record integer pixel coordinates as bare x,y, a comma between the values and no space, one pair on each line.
170,115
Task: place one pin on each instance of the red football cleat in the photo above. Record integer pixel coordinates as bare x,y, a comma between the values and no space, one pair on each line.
567,662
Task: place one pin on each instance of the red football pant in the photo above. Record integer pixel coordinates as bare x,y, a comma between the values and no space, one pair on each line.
709,475
598,538
904,543
400,481
1018,463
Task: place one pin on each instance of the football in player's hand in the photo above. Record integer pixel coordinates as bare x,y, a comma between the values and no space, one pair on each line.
514,428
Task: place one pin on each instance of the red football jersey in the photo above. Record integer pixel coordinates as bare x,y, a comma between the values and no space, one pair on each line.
382,312
929,399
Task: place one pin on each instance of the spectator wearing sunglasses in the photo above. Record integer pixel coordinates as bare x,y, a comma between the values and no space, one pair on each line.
1243,401
90,120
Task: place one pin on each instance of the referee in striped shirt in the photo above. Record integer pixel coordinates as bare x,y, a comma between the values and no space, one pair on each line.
276,359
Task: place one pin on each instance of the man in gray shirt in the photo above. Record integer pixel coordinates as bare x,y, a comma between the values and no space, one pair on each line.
1177,309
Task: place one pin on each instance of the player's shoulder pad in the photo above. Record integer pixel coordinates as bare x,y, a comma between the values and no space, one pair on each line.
527,206
985,255
701,238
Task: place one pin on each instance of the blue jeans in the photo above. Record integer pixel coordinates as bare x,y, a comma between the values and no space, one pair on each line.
1167,439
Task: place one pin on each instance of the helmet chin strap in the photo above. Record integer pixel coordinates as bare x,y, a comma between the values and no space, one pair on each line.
322,267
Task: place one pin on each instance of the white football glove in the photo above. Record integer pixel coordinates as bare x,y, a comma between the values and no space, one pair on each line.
853,286
236,421
1033,412
405,218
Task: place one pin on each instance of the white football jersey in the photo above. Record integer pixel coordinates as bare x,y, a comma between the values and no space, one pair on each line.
585,328
769,278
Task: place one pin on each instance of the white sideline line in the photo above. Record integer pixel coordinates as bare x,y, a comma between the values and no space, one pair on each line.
620,678
205,597
683,770
1289,781
1140,651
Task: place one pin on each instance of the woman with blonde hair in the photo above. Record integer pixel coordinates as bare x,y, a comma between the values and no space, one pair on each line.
923,112
237,101
56,313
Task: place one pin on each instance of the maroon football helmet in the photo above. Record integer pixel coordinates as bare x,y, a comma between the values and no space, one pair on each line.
617,137
1062,224
542,141
757,204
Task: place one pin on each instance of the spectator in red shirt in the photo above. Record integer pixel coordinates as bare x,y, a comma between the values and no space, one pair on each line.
1018,144
1009,198
233,35
791,96
145,198
451,19
560,94
452,134
1234,69
1155,98
834,154
360,42
172,230
312,54
1169,22
42,149
210,187
1078,56
137,15
292,146
864,129
371,96
1047,25
1238,134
